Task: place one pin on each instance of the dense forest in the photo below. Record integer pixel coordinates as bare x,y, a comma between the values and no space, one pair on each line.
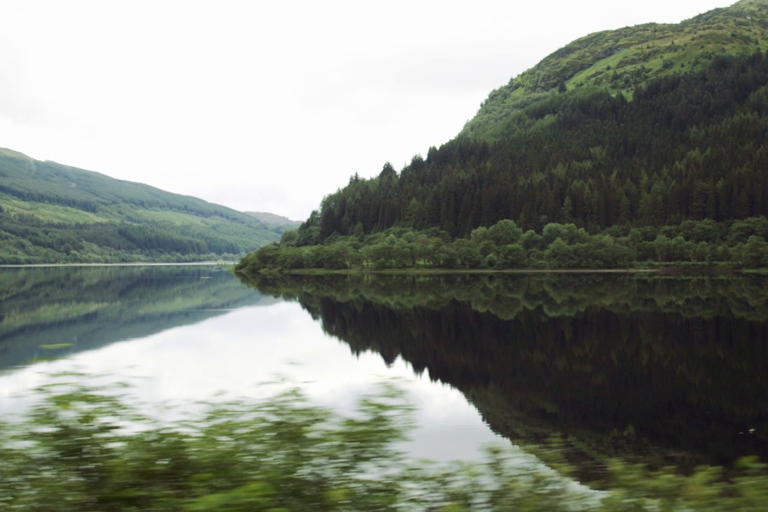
51,213
681,164
690,147
640,146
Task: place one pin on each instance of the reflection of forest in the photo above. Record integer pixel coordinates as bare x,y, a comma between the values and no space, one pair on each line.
58,311
637,365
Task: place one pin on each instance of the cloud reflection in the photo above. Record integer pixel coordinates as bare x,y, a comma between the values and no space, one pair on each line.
254,352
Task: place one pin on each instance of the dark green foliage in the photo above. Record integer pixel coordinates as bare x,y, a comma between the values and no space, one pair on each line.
503,246
676,175
687,147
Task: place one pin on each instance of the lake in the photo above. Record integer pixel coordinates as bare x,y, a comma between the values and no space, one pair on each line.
185,334
648,368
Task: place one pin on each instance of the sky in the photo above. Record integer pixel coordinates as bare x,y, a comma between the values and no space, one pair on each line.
270,106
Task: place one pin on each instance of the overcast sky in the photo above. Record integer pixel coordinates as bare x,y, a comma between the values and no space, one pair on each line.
269,106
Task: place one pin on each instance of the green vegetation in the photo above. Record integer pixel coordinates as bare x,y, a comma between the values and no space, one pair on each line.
621,61
630,177
51,213
82,449
692,245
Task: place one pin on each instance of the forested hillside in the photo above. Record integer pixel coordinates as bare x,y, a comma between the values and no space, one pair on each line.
686,147
51,213
679,153
619,61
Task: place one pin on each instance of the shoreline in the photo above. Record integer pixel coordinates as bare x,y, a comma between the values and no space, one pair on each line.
664,271
128,264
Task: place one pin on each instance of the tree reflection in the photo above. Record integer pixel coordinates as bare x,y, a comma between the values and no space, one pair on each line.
652,368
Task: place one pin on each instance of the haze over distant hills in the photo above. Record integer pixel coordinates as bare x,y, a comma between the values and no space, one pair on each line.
52,213
275,220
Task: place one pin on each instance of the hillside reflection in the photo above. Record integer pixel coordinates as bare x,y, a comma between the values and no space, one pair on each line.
650,368
54,312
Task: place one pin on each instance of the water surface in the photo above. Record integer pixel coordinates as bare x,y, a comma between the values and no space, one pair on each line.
655,369
185,334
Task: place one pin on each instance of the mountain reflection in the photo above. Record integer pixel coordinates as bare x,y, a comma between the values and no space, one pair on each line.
58,311
655,368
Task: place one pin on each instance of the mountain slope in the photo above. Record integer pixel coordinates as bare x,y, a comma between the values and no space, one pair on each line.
619,61
54,213
686,146
583,174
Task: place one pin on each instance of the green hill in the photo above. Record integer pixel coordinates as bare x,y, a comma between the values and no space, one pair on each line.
55,213
639,146
619,61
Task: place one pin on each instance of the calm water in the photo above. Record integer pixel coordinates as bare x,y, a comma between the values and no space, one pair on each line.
660,369
184,334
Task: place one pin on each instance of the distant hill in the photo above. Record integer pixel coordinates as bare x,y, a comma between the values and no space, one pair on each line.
272,219
55,213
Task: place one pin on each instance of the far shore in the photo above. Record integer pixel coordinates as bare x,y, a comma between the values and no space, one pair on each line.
131,264
672,270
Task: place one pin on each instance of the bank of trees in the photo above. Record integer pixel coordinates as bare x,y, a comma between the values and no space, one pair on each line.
504,245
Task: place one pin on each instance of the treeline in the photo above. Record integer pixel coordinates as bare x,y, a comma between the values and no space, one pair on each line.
688,147
26,239
504,245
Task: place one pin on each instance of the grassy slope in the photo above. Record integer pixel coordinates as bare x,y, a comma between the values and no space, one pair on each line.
621,60
58,194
